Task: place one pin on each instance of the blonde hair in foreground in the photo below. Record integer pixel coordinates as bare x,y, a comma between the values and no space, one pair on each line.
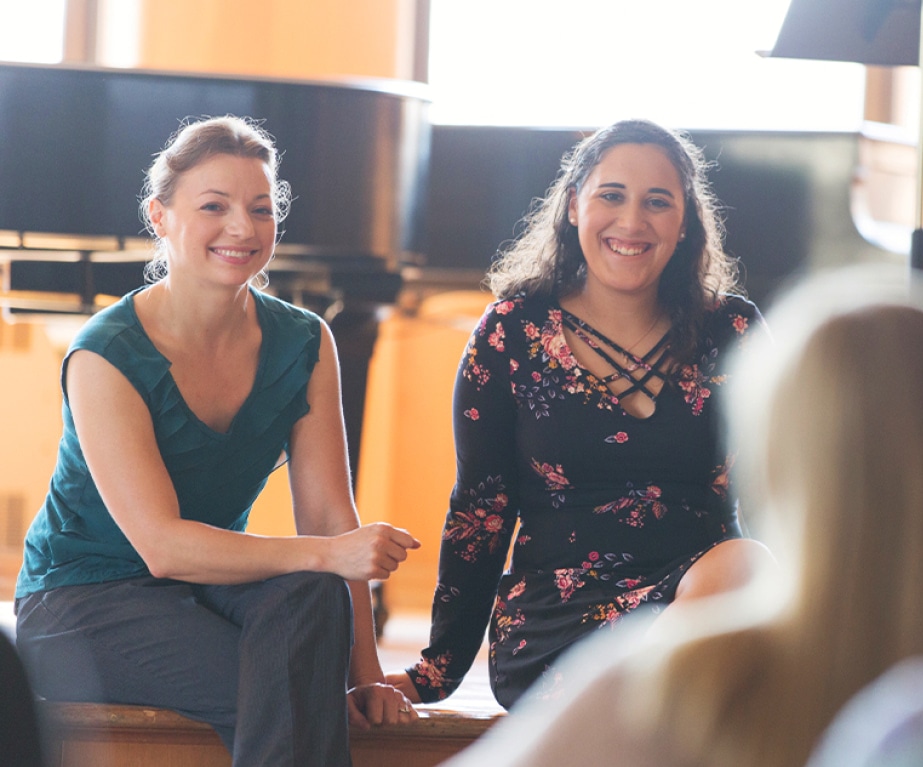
833,413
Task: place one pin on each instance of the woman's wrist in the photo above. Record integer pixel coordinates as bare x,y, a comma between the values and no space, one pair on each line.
366,681
315,556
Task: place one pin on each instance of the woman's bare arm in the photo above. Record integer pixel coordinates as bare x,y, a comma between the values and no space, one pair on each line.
116,435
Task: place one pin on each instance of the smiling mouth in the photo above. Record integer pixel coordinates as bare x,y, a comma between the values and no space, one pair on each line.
233,254
627,249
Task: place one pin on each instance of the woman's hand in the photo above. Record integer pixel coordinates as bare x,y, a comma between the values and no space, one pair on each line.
376,704
370,552
400,680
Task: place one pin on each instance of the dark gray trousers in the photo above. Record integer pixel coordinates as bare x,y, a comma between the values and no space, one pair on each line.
266,663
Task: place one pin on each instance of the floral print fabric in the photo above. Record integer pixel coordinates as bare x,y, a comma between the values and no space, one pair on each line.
604,511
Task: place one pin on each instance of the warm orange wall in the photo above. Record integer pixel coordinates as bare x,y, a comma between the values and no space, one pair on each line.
280,38
408,456
30,424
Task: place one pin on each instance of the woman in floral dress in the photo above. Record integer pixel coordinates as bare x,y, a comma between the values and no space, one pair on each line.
586,430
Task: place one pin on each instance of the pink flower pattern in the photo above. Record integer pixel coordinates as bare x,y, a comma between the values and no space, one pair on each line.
554,480
636,506
608,613
568,581
431,673
740,323
505,622
479,526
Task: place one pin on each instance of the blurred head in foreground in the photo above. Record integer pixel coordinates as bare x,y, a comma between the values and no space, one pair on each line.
832,415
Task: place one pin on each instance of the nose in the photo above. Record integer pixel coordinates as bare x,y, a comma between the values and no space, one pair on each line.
632,217
239,223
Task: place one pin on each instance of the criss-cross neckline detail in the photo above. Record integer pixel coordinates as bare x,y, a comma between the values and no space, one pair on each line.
652,363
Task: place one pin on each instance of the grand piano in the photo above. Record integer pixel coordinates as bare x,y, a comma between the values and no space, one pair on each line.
74,144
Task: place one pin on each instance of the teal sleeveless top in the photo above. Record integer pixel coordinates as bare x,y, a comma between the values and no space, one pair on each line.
217,476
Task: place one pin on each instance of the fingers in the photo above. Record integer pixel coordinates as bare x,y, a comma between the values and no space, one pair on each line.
356,717
389,548
405,711
396,540
380,704
372,551
401,681
404,539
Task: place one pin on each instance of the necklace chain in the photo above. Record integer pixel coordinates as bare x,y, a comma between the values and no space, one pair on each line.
631,347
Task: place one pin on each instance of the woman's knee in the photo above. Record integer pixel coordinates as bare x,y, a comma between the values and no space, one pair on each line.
727,566
308,598
311,586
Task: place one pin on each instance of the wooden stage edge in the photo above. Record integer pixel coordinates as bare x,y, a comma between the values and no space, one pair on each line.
104,735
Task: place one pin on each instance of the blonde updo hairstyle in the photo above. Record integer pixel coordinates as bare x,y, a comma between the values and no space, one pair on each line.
191,145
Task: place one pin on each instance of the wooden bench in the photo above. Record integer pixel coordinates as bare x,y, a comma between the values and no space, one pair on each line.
105,735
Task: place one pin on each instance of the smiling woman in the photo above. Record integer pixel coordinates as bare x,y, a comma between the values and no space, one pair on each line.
215,183
585,418
630,216
140,583
221,213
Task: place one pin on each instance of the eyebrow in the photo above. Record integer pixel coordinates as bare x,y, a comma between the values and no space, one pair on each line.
652,190
264,196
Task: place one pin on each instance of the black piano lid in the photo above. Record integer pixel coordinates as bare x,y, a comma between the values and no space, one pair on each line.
75,142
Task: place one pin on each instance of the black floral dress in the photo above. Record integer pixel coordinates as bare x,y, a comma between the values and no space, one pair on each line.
611,509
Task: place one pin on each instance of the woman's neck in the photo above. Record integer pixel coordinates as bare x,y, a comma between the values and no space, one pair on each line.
206,316
625,318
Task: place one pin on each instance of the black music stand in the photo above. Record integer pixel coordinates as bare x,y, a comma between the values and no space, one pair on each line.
874,32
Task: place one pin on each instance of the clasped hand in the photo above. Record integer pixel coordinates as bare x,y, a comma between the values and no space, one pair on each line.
376,704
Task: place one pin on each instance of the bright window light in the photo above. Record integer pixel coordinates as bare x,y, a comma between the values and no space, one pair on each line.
32,30
584,63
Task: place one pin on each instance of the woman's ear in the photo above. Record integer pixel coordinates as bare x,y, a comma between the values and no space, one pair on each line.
572,207
155,211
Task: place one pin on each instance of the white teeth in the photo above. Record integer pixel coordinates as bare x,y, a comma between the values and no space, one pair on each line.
238,254
624,250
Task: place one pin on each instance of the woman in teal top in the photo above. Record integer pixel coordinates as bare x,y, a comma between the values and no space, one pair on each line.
140,583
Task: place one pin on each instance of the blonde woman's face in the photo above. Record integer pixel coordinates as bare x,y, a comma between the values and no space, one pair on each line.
220,224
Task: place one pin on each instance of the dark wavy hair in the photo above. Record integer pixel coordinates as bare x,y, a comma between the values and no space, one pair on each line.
546,258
